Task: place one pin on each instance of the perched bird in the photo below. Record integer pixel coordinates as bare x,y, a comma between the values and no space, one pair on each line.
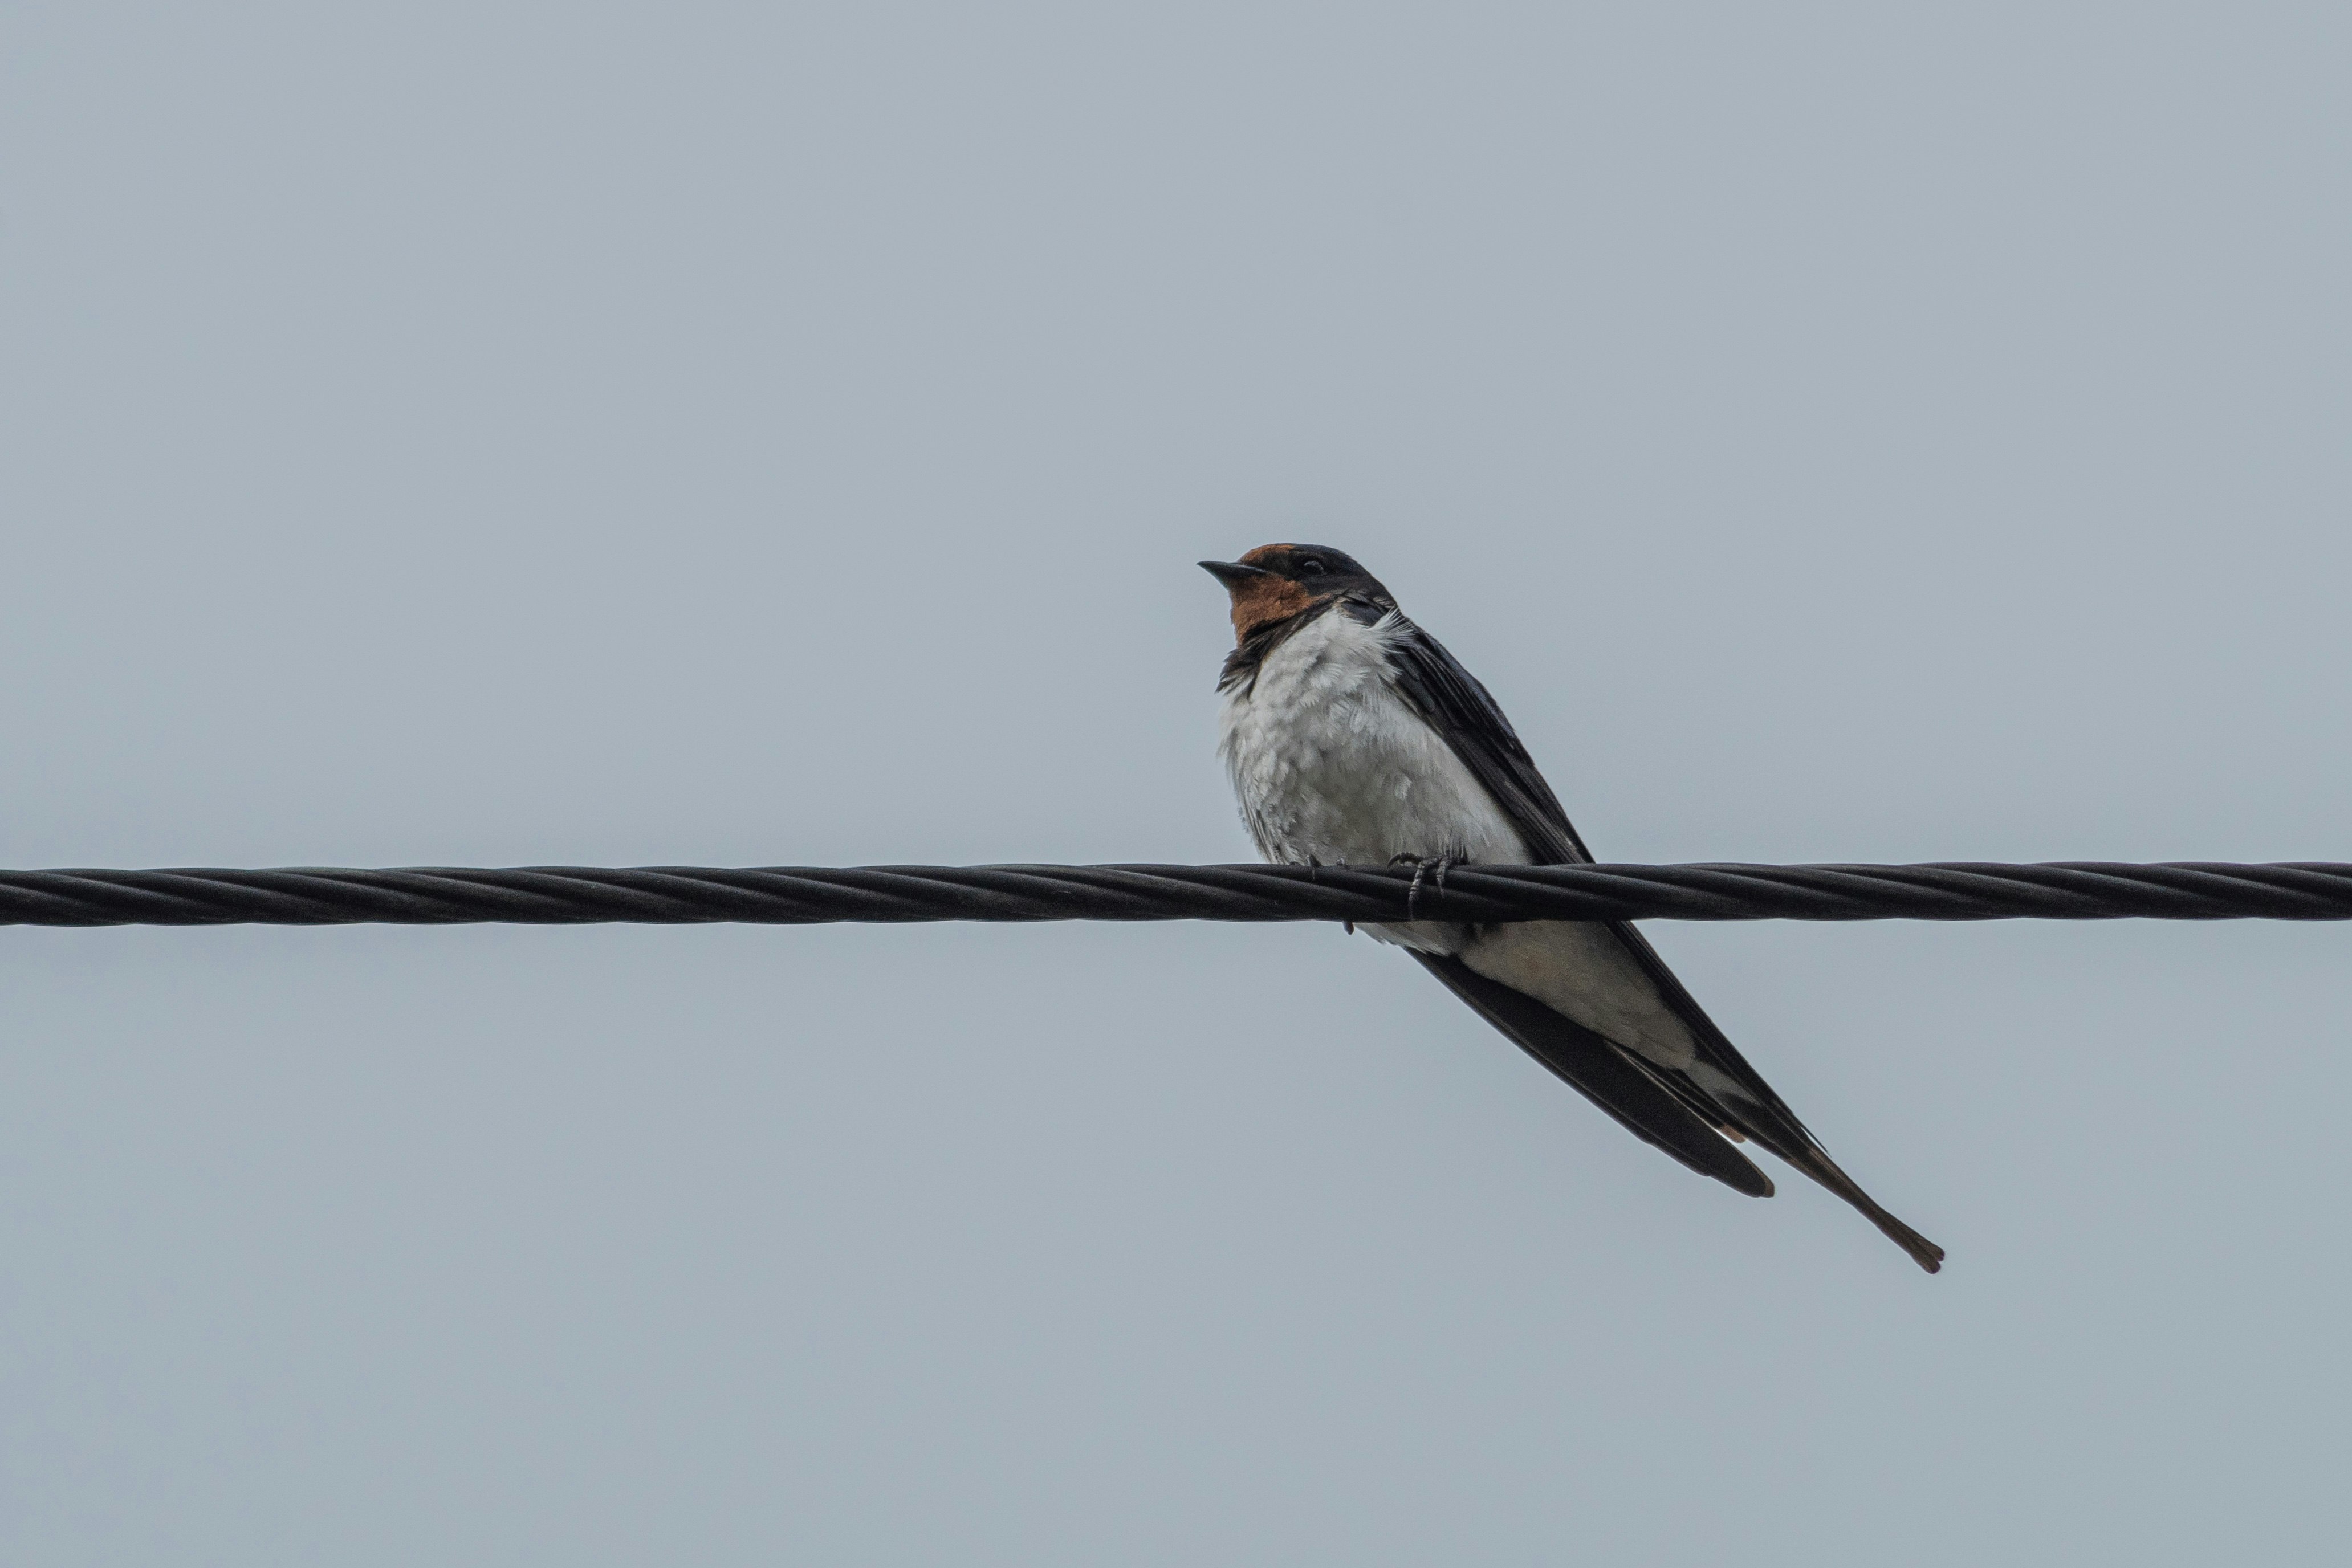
1354,738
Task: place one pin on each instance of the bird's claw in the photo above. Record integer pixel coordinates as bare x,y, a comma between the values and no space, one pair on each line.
1432,866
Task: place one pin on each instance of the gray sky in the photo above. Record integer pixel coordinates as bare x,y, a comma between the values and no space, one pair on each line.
505,433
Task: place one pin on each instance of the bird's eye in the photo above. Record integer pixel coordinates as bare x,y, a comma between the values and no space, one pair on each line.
1310,565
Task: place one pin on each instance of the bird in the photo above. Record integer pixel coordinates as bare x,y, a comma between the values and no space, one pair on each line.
1352,737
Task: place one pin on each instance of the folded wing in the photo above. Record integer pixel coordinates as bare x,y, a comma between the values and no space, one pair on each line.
1462,710
1603,1074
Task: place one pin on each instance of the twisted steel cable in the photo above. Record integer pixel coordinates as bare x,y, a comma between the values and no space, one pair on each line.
804,895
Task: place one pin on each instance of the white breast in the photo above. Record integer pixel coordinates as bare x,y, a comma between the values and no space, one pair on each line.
1330,764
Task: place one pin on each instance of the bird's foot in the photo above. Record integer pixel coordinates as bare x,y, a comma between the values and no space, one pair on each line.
1432,866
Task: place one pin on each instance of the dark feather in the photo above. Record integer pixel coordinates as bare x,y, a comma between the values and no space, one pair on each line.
1242,664
1603,1074
1450,699
1460,709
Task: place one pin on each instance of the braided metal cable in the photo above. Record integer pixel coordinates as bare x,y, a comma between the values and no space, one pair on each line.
802,895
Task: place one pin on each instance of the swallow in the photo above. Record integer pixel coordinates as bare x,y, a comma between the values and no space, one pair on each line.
1354,738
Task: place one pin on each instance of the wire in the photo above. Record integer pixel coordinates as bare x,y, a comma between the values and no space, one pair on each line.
802,895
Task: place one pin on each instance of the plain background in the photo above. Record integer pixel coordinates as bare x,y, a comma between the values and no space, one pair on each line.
502,433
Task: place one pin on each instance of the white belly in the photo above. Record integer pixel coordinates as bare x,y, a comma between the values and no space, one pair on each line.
1331,766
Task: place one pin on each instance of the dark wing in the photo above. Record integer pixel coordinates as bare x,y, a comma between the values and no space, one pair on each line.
1461,709
1603,1074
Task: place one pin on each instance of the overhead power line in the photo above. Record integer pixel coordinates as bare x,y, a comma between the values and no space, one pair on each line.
802,895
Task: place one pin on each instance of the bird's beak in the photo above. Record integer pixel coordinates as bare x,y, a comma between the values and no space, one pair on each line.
1233,573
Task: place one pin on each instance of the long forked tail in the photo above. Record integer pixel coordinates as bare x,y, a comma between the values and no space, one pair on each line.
1823,1169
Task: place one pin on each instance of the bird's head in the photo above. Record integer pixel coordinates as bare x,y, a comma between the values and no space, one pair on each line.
1274,582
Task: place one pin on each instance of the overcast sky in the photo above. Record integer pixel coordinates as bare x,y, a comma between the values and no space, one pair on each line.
503,433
